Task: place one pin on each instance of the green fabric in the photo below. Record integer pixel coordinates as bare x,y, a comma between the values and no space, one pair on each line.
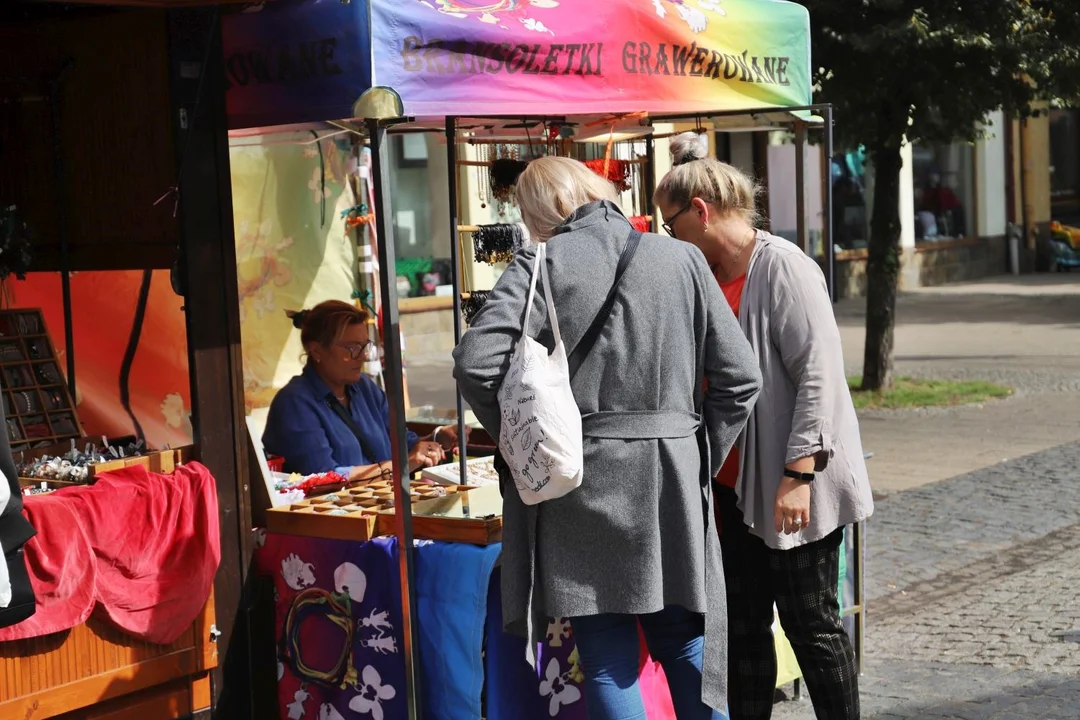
409,267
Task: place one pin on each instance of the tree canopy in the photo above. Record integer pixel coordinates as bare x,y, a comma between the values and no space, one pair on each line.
931,71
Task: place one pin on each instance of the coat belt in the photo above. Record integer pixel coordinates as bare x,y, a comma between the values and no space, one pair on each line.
640,425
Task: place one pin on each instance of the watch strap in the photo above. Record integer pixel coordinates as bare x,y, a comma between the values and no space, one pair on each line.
794,475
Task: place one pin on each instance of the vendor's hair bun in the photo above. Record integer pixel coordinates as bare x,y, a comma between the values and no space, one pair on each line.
689,146
297,317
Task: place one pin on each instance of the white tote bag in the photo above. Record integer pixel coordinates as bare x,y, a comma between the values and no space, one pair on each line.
540,435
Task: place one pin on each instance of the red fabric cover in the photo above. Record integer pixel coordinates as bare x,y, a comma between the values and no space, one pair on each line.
145,546
60,562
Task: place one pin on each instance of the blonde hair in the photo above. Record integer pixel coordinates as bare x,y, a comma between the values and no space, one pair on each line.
687,147
552,188
727,188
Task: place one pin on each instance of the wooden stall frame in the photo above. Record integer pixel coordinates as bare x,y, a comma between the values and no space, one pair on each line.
207,270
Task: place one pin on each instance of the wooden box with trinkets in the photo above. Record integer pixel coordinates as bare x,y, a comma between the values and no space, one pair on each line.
81,462
38,408
351,513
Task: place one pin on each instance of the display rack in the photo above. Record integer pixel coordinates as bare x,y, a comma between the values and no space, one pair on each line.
633,157
38,406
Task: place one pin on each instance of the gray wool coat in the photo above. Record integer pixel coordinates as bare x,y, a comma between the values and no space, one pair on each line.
637,535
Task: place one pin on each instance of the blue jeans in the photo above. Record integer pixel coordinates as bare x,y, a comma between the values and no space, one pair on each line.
608,646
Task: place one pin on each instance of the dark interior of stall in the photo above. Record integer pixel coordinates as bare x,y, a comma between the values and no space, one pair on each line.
113,150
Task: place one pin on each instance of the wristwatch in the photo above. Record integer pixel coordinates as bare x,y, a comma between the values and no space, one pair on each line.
804,477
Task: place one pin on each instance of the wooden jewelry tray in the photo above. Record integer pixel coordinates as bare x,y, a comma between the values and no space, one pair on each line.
473,517
350,514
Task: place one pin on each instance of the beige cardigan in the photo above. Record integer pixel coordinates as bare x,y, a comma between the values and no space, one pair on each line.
805,406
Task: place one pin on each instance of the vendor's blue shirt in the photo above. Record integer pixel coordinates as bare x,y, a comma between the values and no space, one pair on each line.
303,429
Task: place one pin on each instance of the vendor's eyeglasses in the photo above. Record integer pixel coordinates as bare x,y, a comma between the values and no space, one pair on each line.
356,350
670,223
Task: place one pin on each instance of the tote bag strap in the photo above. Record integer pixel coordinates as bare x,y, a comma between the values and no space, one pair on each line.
585,345
540,268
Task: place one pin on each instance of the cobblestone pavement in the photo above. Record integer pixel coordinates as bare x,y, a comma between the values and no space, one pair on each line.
971,587
930,532
895,690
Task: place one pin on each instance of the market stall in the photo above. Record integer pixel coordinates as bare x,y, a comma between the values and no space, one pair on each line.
493,80
127,572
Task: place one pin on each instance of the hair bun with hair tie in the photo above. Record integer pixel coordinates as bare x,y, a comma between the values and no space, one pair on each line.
297,317
688,147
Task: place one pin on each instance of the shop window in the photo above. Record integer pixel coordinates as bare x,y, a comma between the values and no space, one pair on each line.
1065,155
944,178
852,199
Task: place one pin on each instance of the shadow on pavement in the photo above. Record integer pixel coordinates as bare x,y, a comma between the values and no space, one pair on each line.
1051,698
931,308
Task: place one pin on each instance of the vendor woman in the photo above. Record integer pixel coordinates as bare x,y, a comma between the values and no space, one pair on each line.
334,417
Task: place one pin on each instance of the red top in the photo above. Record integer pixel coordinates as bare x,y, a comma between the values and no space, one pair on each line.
729,473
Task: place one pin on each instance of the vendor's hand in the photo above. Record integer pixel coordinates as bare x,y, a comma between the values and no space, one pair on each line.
425,454
448,436
791,512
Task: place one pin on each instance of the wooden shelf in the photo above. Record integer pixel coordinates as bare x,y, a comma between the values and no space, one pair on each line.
12,322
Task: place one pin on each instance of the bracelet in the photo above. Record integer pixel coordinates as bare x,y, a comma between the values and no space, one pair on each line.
803,477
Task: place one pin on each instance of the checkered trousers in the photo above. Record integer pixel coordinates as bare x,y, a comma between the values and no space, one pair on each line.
803,584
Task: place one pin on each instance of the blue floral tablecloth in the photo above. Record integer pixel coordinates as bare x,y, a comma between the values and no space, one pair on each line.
339,638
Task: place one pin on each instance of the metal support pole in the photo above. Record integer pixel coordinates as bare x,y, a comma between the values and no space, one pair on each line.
859,541
455,278
827,218
802,232
395,394
61,220
650,178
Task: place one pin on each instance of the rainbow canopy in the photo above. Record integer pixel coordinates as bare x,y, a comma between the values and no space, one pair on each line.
296,61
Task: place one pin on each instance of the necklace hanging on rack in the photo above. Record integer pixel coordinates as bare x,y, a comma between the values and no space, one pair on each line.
497,243
483,177
472,304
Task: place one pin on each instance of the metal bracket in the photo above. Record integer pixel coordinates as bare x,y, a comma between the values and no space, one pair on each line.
214,633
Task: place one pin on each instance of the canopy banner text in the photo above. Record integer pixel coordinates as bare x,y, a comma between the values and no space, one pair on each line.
560,57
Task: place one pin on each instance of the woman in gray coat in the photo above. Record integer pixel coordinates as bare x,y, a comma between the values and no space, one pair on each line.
797,476
635,541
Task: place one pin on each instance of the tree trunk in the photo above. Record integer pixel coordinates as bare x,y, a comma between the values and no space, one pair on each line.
882,268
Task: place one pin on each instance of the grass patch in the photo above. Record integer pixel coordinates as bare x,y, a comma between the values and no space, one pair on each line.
907,393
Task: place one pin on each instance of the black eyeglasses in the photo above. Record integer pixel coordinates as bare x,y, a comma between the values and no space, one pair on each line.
670,223
356,350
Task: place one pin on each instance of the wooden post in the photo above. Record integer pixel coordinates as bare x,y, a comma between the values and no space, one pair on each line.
208,275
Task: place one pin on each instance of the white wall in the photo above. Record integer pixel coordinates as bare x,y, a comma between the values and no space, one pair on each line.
990,179
907,198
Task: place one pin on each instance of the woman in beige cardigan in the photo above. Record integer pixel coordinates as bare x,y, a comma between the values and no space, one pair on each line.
797,475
